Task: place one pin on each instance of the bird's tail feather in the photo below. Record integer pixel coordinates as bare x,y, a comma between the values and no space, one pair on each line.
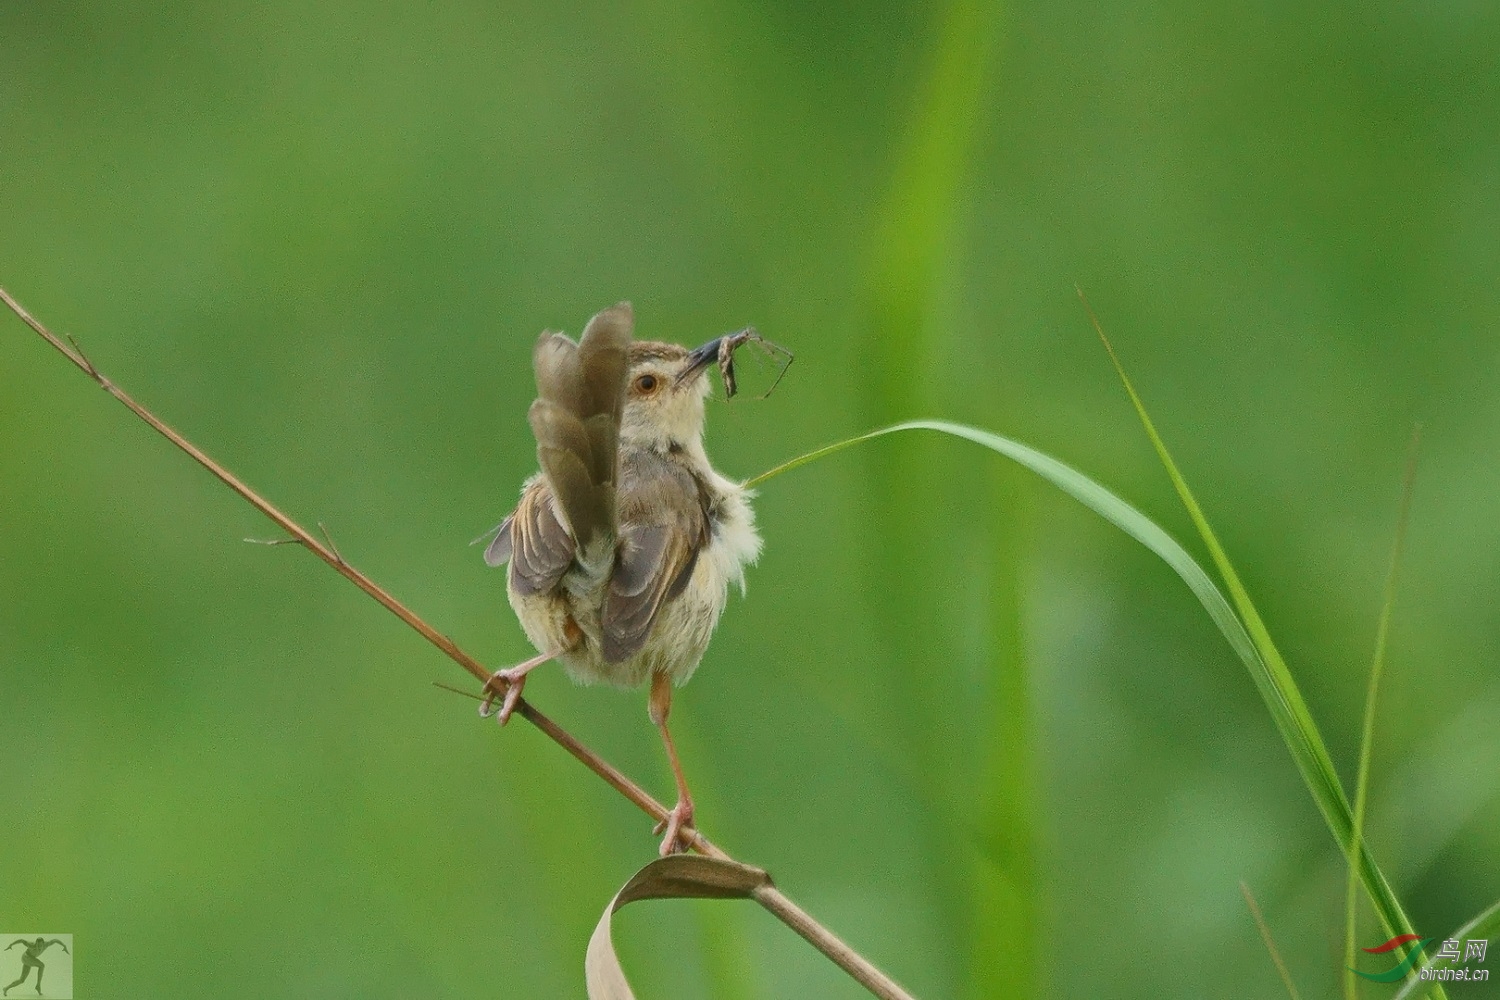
576,420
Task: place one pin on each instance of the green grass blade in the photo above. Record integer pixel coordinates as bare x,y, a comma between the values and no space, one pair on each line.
1087,492
1282,695
1269,672
984,830
1265,934
1486,925
1367,733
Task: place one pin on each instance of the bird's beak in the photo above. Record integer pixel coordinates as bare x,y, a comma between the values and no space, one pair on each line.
700,358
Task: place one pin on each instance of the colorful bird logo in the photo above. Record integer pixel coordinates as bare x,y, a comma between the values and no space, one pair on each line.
1402,967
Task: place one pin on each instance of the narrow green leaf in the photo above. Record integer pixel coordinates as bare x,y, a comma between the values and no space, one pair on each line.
1087,492
983,830
1269,672
1367,734
1278,688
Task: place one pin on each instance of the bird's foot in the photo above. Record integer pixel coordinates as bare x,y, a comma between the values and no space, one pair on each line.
679,828
506,685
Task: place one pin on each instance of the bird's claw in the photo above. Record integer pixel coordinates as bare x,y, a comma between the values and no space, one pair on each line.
678,827
506,683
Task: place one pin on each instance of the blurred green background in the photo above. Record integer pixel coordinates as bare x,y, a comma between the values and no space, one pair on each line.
981,734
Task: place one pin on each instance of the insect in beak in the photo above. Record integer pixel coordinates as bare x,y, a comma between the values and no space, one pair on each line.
721,349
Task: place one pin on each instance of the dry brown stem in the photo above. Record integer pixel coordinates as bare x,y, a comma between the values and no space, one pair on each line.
769,897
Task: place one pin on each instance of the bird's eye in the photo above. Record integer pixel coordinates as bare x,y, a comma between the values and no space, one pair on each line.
645,384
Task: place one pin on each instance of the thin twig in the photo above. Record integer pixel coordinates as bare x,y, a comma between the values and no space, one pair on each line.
866,974
775,902
329,539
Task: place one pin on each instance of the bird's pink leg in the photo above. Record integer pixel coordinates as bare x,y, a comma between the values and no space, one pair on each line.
680,819
510,682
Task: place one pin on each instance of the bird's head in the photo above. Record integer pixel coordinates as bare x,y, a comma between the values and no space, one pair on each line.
665,386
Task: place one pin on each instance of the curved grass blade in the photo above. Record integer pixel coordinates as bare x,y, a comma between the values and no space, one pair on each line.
1367,734
1269,672
680,876
1486,925
1272,675
1087,492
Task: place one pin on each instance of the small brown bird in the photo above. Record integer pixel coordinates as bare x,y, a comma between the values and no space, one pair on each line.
623,547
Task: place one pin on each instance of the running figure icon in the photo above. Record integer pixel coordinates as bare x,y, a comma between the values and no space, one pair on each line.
31,959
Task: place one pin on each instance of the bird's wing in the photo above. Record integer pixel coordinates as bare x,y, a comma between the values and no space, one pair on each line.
664,527
497,552
541,550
